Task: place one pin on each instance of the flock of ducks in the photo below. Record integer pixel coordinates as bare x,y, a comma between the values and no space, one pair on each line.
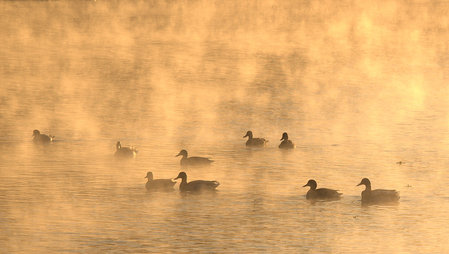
369,196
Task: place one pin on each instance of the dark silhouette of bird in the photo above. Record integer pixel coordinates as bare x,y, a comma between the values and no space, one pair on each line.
195,186
321,193
254,142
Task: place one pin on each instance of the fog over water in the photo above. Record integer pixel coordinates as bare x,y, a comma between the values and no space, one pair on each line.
358,85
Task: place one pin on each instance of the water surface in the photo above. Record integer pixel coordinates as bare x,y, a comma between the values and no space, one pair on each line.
358,87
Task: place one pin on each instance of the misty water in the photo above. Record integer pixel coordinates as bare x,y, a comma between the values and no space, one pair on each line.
358,86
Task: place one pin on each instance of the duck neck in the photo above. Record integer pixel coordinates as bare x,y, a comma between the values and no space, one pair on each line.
367,187
183,183
118,146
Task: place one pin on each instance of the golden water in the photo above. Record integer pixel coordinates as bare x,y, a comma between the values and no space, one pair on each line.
358,86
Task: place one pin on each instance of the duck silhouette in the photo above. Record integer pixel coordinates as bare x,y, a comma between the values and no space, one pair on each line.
124,152
195,186
39,138
286,143
193,161
158,184
321,193
377,196
254,142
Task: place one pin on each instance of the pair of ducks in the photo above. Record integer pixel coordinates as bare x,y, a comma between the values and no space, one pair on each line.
121,152
125,152
261,142
167,184
368,196
131,152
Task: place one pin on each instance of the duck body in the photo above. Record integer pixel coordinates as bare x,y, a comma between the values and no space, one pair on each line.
196,186
321,193
158,184
125,152
39,138
193,161
377,196
254,142
286,143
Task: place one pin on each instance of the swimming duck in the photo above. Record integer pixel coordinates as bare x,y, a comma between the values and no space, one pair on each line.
254,142
196,186
321,193
286,143
377,196
124,152
193,161
158,184
39,138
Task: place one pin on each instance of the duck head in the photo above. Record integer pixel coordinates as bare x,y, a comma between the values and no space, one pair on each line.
312,184
149,176
36,133
284,136
249,134
366,182
183,153
182,175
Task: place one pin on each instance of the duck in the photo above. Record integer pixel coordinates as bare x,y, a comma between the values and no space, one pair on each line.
286,143
321,193
195,186
158,184
377,196
39,138
254,142
193,161
124,152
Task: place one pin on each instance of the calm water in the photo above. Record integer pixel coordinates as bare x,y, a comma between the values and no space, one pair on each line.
358,87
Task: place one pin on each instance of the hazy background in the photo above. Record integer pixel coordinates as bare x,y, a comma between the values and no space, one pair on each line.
357,85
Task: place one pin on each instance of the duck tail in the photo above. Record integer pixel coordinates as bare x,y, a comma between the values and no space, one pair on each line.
216,184
51,137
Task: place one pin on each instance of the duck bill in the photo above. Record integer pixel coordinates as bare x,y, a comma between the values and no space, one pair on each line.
306,185
178,155
359,184
245,136
281,139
